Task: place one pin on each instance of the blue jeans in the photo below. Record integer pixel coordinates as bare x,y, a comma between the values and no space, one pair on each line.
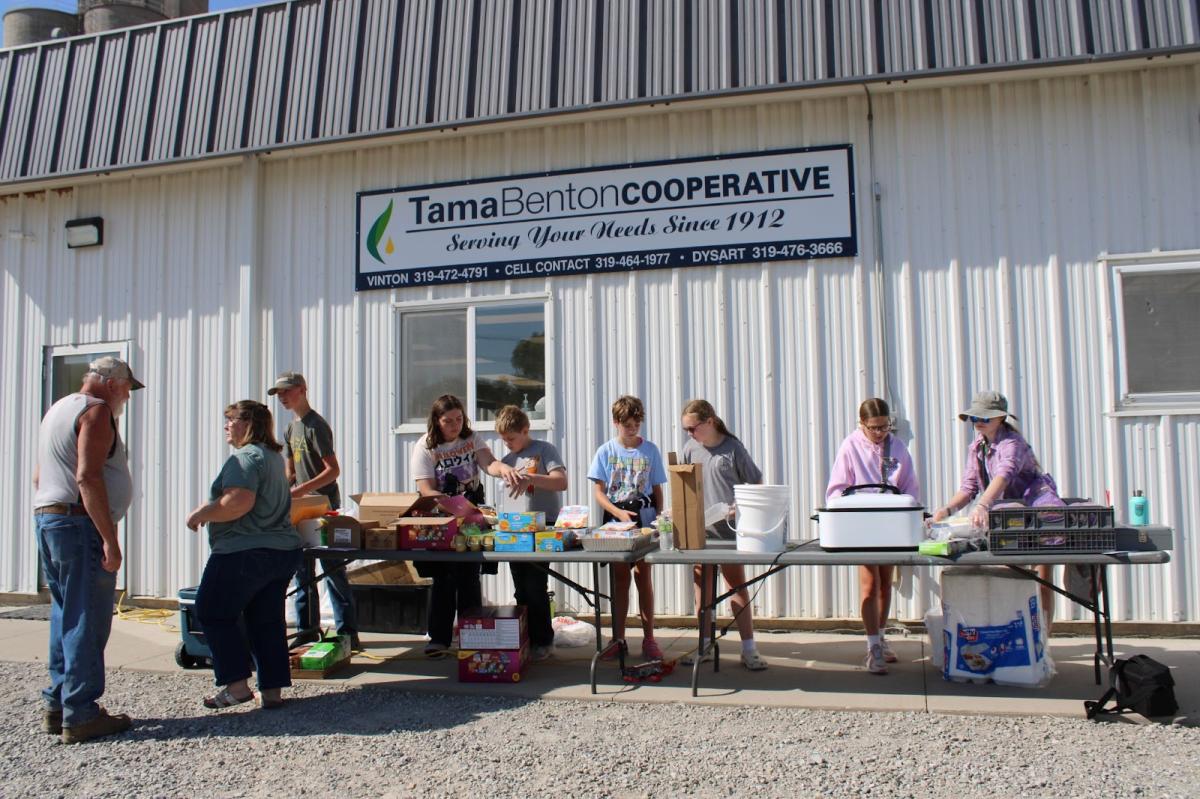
341,597
251,584
81,611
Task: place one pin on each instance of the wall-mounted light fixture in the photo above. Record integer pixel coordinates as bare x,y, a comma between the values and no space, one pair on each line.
85,232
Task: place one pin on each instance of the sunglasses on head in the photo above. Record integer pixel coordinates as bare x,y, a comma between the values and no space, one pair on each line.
689,430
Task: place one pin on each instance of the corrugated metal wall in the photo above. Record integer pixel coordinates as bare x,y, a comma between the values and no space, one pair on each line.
997,203
284,74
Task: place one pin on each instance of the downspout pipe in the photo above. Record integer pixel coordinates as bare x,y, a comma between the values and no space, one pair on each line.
880,283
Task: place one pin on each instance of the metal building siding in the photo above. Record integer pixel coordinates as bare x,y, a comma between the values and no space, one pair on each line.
311,65
997,202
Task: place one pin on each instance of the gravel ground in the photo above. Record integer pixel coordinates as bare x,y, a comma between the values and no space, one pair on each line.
380,741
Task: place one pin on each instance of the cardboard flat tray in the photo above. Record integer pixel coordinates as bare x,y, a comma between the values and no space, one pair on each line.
614,543
320,674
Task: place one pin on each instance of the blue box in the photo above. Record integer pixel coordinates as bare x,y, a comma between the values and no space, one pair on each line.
529,522
549,541
513,542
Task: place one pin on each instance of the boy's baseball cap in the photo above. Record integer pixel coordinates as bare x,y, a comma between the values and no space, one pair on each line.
114,369
285,381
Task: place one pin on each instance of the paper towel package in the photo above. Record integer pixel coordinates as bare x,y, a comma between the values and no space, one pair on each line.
993,628
934,624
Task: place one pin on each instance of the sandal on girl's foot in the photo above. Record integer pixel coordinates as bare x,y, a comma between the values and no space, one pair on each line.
225,699
753,661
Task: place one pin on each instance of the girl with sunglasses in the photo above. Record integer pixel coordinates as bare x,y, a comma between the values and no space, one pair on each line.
1001,466
871,454
726,463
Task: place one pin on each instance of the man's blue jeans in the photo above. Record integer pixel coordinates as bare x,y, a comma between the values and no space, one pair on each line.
341,597
250,584
81,611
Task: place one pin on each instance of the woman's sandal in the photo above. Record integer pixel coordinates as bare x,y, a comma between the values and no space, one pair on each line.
225,699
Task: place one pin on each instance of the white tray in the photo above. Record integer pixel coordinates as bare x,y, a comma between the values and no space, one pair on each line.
605,543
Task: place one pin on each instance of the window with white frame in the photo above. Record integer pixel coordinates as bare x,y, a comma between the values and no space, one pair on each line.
489,355
1158,329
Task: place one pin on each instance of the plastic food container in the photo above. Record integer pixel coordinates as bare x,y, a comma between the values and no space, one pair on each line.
885,520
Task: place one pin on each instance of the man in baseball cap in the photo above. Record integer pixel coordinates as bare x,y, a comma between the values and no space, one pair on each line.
82,489
112,368
285,381
312,467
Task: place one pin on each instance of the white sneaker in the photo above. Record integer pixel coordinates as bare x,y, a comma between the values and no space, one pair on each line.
691,657
874,660
753,661
889,655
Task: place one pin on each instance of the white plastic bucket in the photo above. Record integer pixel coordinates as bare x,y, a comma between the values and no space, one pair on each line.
762,514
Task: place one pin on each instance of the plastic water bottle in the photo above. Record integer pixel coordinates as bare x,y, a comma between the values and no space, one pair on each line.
1139,509
666,532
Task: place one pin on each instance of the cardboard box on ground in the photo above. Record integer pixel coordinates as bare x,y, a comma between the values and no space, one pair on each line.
494,644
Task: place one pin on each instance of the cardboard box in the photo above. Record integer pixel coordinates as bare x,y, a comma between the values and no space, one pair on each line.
522,522
385,507
386,572
347,533
549,541
493,628
513,542
492,665
381,538
687,502
427,532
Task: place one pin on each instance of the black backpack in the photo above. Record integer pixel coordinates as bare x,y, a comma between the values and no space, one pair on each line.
1141,685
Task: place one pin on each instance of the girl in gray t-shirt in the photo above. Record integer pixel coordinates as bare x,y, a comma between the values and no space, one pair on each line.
726,463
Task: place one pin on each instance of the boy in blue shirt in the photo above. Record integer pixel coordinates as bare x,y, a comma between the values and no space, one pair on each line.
627,477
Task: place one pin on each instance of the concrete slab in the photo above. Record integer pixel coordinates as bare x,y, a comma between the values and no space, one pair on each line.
808,670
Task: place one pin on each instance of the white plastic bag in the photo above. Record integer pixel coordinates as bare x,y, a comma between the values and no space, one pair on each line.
572,632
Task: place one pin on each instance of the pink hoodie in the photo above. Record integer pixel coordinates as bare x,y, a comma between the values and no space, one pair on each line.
858,462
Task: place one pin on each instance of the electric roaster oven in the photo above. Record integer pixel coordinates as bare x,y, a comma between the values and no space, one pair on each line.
879,519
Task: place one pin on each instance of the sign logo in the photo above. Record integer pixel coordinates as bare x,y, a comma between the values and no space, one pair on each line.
377,232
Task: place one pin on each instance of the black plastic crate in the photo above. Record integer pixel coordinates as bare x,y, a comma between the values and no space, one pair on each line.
1070,517
1077,528
392,608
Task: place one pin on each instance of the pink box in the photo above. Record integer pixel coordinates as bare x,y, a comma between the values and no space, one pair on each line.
493,628
492,665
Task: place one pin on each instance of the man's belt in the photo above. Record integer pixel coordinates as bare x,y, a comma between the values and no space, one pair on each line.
62,509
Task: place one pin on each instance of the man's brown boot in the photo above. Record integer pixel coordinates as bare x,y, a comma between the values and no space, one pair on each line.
52,721
104,724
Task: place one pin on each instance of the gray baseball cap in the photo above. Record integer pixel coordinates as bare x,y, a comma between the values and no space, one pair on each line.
285,381
987,405
112,368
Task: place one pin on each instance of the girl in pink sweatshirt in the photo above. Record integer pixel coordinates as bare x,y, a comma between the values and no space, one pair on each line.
871,454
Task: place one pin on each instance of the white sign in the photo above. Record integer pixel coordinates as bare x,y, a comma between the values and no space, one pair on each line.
770,206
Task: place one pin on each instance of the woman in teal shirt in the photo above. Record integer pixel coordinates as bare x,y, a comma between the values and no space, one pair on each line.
255,552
